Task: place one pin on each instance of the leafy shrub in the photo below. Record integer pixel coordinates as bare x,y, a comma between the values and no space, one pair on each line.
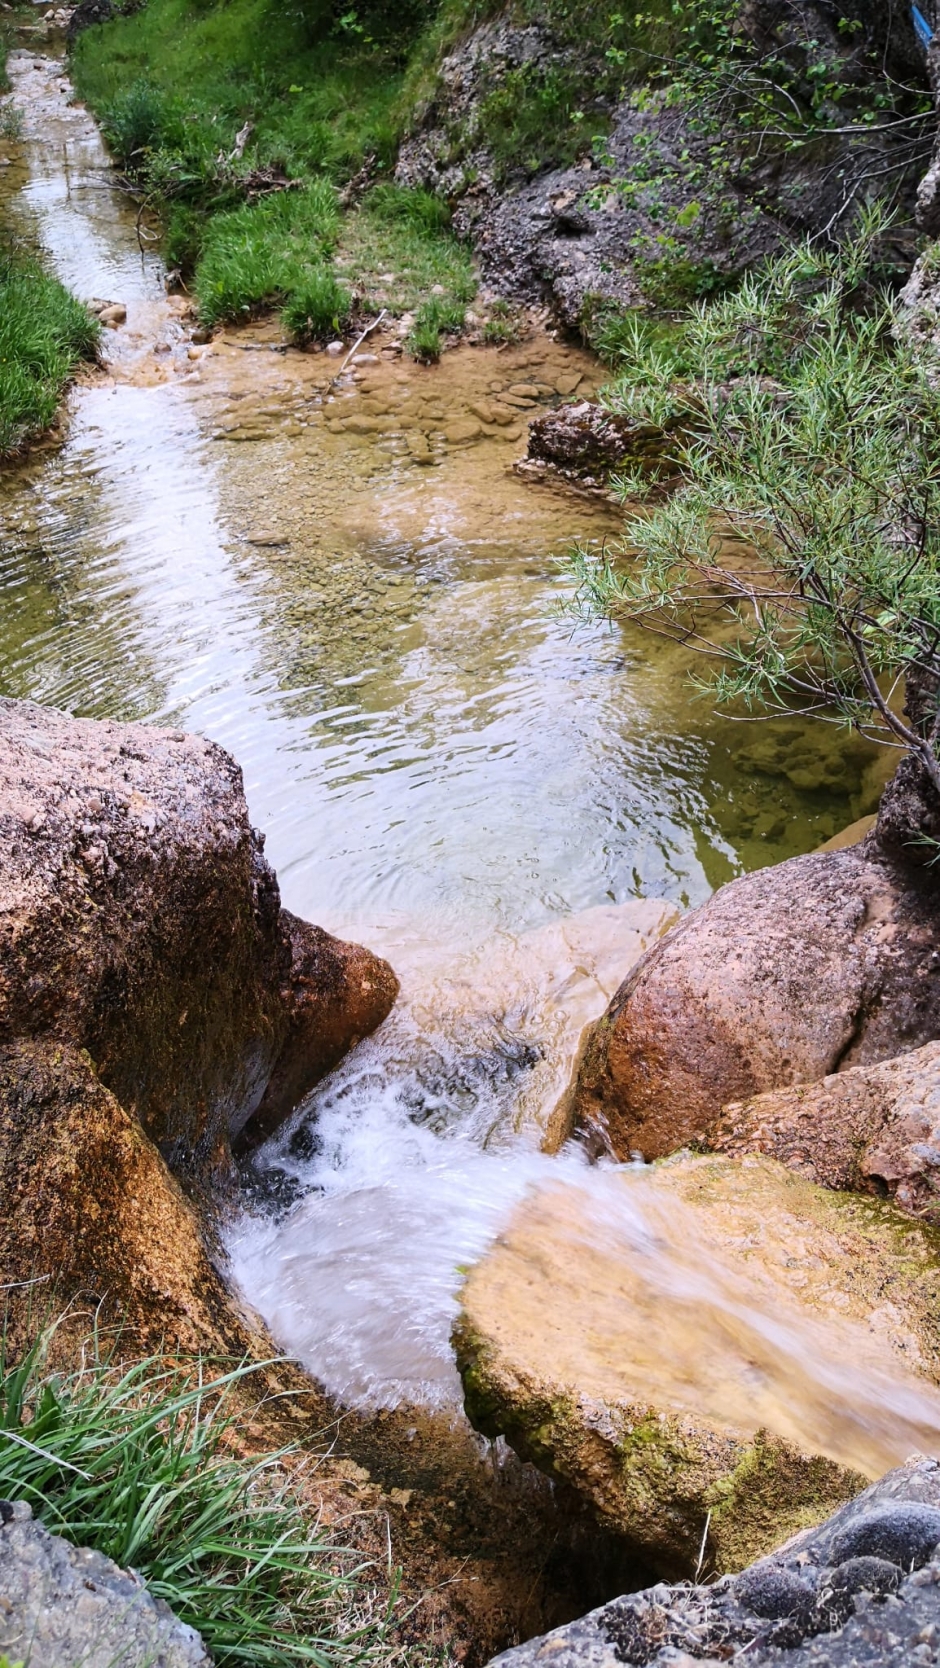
137,1461
137,122
318,307
805,428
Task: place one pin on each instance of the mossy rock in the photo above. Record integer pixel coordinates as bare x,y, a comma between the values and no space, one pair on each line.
707,1349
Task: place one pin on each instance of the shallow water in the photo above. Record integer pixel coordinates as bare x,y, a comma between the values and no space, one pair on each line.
342,581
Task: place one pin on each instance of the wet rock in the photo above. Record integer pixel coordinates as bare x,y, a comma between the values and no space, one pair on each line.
866,1610
337,994
584,441
141,931
65,1604
113,315
611,1336
784,977
89,1206
872,1129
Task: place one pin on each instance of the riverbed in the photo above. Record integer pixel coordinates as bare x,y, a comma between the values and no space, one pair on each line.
337,574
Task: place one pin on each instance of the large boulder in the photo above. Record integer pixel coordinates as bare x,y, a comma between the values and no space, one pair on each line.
785,976
155,1002
712,1353
63,1605
872,1129
139,920
863,1588
91,1210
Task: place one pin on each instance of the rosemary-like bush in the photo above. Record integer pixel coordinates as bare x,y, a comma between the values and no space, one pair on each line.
799,547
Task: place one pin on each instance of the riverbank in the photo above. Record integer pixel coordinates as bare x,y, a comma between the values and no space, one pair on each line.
45,333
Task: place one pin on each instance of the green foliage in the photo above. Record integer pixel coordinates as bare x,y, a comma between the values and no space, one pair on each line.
318,307
137,1461
436,318
800,550
210,107
405,234
44,334
265,252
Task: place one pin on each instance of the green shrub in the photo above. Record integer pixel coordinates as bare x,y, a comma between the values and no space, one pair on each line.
137,122
137,1461
799,549
318,307
44,334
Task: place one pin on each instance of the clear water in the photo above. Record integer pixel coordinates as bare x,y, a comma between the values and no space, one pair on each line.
508,807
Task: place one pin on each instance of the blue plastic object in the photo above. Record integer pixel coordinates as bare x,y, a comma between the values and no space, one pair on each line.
921,27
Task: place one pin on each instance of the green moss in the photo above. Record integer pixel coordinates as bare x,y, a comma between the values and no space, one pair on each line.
771,1494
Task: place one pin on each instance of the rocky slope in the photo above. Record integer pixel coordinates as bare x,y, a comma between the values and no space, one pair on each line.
599,229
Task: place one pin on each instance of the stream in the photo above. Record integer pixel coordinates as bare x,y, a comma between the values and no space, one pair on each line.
342,581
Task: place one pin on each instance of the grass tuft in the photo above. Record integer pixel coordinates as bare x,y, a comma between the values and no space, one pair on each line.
319,307
437,317
265,252
139,1462
44,334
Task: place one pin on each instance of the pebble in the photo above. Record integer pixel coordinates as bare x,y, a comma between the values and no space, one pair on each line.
335,348
567,383
462,432
524,390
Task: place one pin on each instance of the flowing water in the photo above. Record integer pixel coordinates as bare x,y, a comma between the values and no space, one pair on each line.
341,579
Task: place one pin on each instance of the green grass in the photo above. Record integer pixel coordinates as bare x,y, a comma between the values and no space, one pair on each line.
137,1461
174,83
44,335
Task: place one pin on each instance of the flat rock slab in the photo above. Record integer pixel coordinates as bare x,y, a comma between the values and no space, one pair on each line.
708,1348
61,1605
864,1588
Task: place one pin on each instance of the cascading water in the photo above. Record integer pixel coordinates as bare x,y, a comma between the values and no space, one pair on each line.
232,541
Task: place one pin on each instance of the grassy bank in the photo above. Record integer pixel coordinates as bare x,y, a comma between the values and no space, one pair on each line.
242,124
44,335
140,1462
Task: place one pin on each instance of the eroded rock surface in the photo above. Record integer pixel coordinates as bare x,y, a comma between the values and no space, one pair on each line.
785,976
63,1605
873,1129
153,996
140,920
584,443
863,1588
711,1341
89,1206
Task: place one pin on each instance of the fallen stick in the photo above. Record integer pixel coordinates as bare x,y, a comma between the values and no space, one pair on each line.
357,345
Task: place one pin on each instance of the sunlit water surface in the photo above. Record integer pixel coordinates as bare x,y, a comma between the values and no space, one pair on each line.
363,605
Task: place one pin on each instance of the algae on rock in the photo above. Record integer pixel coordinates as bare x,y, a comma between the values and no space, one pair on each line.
710,1345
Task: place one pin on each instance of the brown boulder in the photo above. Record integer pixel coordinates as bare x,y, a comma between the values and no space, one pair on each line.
90,1209
785,976
139,920
872,1129
336,995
